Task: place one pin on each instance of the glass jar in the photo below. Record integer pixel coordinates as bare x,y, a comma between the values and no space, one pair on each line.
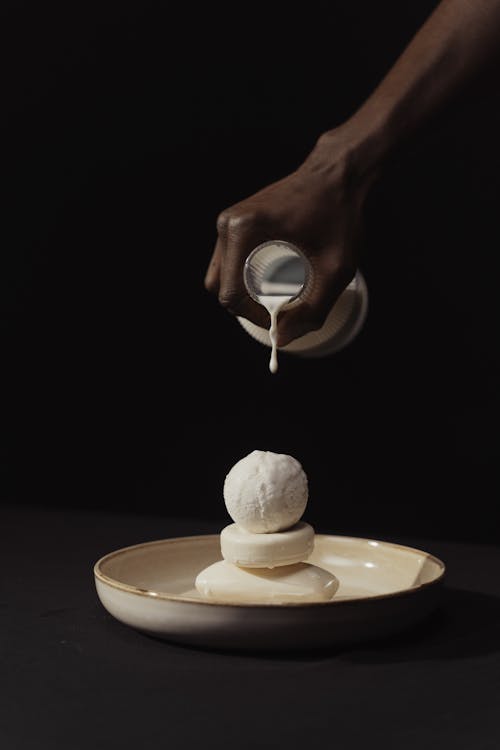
279,268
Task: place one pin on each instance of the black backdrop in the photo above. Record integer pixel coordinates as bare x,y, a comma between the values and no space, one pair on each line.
126,132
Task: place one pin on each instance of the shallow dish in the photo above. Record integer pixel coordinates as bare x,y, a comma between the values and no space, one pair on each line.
384,588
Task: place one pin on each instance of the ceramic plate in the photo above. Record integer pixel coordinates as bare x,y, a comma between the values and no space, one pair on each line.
384,588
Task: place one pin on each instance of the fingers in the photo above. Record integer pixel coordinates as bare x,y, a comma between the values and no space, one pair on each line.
238,235
212,276
311,312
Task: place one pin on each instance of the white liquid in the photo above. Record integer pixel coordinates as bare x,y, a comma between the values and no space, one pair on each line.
273,304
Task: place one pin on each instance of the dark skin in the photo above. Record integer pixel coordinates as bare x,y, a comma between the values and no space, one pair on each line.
320,206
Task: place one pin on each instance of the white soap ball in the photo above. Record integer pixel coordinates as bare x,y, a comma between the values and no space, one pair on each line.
266,492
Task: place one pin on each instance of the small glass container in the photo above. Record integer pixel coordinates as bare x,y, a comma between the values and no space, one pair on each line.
279,268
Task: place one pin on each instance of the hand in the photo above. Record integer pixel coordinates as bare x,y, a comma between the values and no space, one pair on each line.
318,208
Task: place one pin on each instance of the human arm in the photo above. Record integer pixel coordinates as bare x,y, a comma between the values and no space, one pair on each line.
320,206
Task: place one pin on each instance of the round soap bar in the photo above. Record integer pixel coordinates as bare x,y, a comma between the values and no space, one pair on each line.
266,492
295,584
249,550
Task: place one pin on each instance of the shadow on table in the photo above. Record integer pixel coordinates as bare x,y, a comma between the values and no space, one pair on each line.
467,624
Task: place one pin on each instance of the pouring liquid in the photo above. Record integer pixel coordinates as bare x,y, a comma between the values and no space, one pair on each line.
278,282
273,304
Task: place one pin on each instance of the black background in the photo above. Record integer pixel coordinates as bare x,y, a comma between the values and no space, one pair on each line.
126,131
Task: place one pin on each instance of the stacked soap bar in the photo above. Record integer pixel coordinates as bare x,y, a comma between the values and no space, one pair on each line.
265,549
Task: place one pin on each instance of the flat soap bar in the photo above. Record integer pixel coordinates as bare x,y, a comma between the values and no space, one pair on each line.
224,582
266,550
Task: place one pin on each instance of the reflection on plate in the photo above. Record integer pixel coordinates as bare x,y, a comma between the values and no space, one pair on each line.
384,588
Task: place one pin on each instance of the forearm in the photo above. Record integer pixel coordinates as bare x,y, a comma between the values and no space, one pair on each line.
454,44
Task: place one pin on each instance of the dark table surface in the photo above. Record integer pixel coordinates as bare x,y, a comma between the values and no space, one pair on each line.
73,677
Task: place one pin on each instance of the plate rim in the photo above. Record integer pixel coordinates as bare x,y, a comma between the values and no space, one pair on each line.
163,596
